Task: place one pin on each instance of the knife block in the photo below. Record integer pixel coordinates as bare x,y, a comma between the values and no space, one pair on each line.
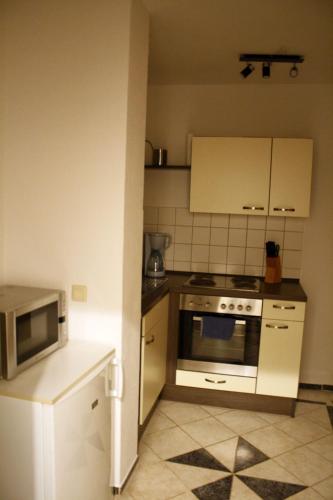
273,270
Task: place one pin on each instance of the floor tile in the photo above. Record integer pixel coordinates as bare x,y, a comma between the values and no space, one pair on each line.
170,443
306,465
271,441
241,421
154,482
225,452
330,414
247,455
323,447
184,496
308,494
315,395
146,455
302,429
194,477
159,422
241,492
163,403
321,417
270,469
199,458
271,490
325,488
215,410
182,413
219,490
303,408
272,418
208,431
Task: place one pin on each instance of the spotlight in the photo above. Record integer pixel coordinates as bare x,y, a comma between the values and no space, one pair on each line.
266,70
293,71
247,70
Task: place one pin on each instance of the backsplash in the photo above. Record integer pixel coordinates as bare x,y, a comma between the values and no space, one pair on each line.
221,243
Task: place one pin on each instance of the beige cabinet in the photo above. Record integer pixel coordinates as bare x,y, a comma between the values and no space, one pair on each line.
255,176
215,381
153,355
230,175
280,348
291,177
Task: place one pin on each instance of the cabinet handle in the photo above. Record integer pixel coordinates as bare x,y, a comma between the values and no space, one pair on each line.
252,207
277,209
215,381
151,340
277,327
276,306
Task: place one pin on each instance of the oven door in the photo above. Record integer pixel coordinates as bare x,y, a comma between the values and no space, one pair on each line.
238,355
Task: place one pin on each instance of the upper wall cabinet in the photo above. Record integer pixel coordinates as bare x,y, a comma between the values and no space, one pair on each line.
291,177
257,176
230,175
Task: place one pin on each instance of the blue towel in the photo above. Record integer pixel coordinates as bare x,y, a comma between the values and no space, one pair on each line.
215,327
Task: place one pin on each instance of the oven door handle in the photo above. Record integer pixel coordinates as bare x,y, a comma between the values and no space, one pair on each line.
237,321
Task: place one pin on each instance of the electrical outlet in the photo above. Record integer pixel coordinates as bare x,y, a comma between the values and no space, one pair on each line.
79,293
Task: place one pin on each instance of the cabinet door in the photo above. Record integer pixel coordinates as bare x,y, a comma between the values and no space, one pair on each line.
153,359
230,175
279,358
291,177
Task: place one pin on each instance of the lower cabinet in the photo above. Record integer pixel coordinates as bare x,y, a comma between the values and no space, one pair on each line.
216,381
153,355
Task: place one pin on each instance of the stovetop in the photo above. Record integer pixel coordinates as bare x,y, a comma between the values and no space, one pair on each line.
236,282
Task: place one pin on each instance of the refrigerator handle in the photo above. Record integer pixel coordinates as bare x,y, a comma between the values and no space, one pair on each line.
114,379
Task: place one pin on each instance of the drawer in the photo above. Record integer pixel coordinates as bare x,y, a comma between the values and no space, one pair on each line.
158,312
284,309
216,382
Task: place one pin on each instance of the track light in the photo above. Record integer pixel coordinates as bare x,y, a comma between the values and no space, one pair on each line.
247,70
266,70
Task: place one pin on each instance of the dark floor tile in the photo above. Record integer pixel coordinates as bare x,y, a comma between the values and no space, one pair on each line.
199,458
271,490
247,455
317,387
219,490
330,413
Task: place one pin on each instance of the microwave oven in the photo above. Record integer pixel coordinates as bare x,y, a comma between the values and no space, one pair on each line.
32,325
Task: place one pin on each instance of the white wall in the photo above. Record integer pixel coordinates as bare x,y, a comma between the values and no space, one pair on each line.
72,137
267,110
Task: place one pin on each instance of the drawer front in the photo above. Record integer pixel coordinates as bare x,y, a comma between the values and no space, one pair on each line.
284,309
158,312
216,382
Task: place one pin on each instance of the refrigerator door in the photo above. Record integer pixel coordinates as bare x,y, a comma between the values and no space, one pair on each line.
82,426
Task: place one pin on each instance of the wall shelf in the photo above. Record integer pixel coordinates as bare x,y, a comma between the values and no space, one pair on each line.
168,167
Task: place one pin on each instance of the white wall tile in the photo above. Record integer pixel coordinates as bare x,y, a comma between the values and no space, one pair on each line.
255,238
200,253
150,228
219,236
184,217
236,255
220,220
235,269
168,265
292,259
294,224
275,223
277,236
217,268
237,237
150,215
217,255
202,220
256,222
238,221
199,267
201,235
254,270
183,234
167,216
293,240
254,257
181,266
182,252
290,273
168,230
169,252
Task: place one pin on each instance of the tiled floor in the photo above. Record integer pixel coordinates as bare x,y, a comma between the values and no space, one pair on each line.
191,451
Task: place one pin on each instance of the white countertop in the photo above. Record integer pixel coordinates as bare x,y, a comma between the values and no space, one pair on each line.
49,379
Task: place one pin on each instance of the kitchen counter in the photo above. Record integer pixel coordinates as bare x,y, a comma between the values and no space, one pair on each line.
288,289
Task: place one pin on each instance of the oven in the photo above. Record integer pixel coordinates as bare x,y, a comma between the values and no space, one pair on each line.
219,334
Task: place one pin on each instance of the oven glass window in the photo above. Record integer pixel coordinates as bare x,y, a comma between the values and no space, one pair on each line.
35,331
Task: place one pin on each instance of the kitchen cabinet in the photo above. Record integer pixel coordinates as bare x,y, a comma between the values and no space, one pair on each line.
280,348
255,176
215,381
153,355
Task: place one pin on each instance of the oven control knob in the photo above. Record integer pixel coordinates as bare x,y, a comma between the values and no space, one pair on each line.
223,306
240,307
248,308
207,305
191,303
231,306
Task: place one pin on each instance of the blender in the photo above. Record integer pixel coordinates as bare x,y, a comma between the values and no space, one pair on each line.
155,246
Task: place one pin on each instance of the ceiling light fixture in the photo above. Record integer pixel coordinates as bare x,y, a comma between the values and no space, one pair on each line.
267,60
249,68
